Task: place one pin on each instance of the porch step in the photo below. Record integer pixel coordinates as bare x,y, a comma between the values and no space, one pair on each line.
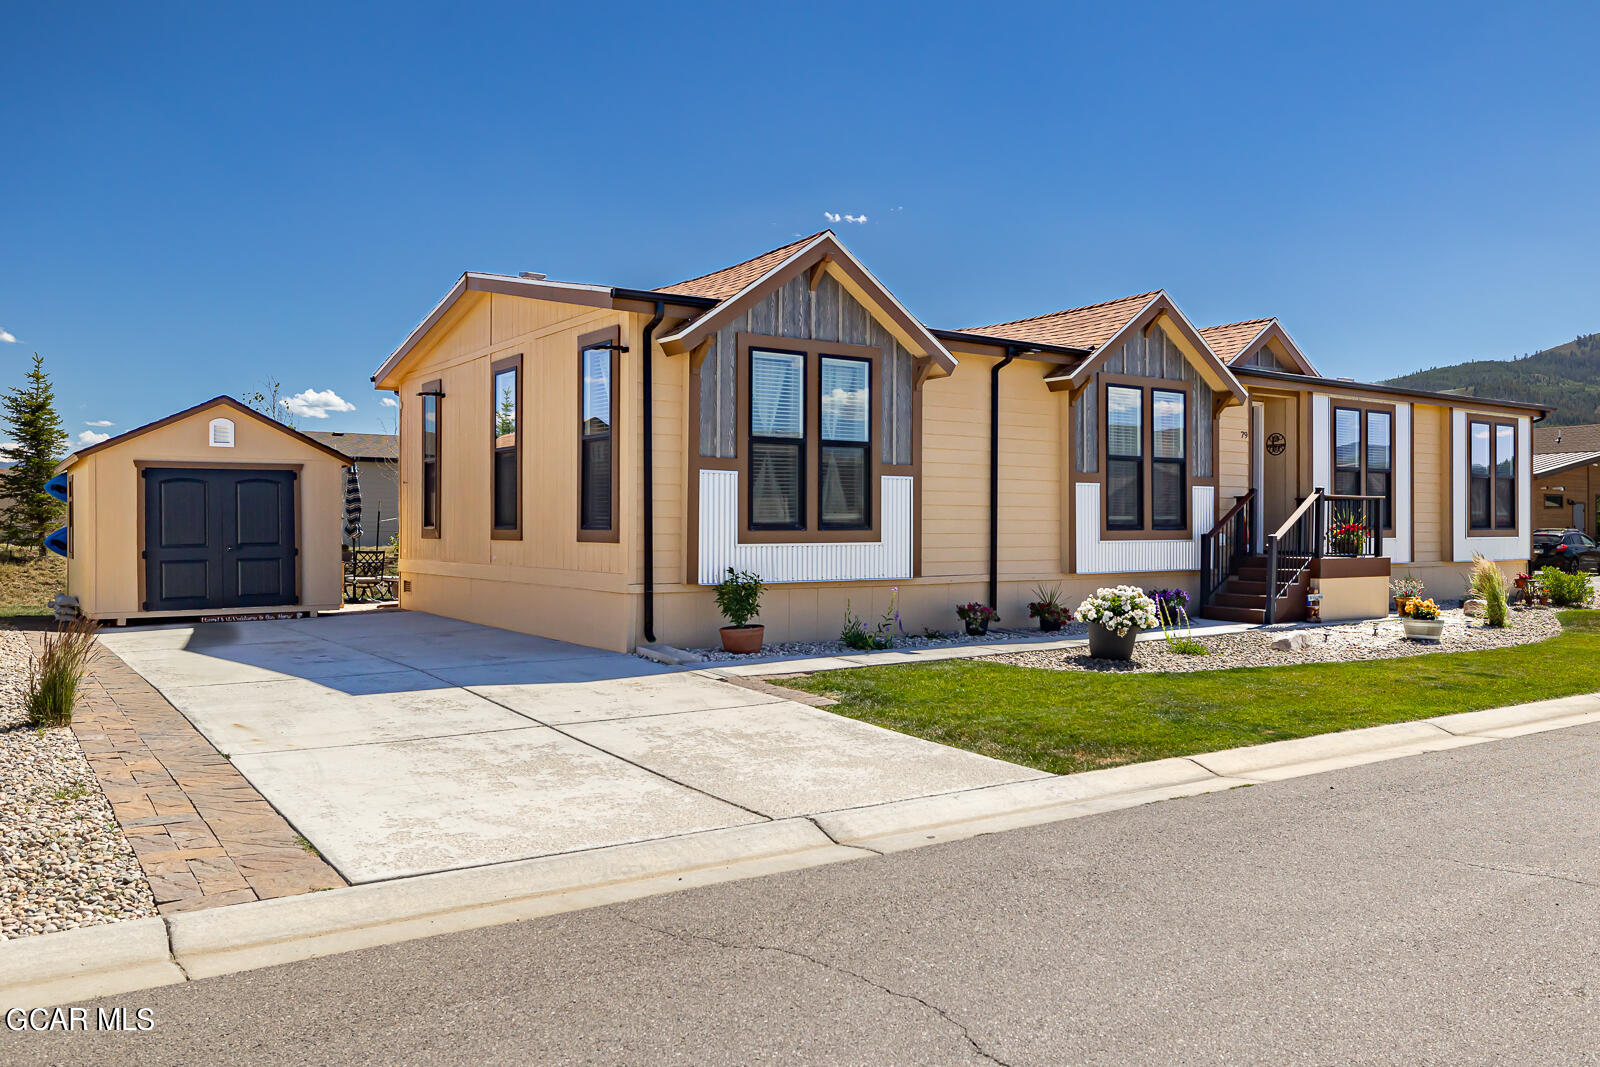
1239,600
1222,613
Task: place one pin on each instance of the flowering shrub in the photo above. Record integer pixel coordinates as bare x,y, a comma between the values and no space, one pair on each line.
1049,607
1407,588
1120,609
1347,538
976,613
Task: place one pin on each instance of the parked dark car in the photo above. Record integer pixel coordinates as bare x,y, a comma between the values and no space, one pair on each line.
1571,550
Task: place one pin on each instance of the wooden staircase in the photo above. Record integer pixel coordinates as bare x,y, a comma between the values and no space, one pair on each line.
1243,597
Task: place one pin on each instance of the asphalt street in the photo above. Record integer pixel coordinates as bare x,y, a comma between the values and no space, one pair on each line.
1438,909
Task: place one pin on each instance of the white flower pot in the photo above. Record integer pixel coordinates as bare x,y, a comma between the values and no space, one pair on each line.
1429,630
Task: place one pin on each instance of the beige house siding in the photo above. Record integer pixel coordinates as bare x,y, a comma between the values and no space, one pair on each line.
1430,487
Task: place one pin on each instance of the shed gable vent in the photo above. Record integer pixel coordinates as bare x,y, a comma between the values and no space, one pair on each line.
221,433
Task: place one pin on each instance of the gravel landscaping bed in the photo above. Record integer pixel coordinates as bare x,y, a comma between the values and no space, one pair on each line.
64,862
904,644
1334,642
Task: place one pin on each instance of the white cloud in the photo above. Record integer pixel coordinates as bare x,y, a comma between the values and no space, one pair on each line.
855,218
99,422
830,216
390,402
89,437
316,404
6,337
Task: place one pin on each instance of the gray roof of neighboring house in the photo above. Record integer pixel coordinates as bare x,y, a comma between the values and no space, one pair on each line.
1550,462
360,445
1551,439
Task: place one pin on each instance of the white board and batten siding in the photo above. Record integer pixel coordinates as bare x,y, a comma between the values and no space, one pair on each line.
830,561
1097,556
1516,547
1397,547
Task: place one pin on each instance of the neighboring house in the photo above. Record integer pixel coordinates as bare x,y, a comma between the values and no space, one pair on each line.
377,457
586,461
1566,477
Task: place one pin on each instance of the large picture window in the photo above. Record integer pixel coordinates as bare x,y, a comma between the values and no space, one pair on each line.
597,474
777,440
1147,457
505,436
1491,476
1363,456
431,396
843,495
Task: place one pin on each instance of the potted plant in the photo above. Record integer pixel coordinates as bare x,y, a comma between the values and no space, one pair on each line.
1422,622
976,617
739,600
1404,589
1346,538
1115,617
1049,609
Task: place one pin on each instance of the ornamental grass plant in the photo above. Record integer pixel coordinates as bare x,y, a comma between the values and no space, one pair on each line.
55,673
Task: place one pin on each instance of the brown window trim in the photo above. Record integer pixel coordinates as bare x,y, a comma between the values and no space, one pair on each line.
1561,502
496,368
434,389
610,335
813,351
1494,423
1147,430
1362,407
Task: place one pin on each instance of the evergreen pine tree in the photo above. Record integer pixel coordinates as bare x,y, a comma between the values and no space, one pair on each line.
38,442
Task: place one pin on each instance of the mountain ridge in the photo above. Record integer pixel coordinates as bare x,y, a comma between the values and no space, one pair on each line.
1564,377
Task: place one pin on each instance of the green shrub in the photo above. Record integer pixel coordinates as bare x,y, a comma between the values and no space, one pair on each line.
739,597
1188,646
1489,583
55,673
1566,590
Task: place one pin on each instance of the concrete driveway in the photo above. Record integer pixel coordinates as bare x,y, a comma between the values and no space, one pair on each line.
400,743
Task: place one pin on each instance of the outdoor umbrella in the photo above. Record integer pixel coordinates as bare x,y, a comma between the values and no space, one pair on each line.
352,504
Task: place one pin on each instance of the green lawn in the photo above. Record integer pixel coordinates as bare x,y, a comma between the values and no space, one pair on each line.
1066,721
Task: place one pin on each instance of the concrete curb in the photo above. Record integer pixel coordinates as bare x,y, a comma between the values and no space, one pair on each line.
97,961
51,969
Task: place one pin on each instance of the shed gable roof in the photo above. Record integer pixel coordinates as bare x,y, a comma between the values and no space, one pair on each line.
234,407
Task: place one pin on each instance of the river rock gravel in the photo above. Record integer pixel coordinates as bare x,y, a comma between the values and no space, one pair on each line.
64,862
1329,643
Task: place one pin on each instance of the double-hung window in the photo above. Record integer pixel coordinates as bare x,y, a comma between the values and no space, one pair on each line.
1124,457
1147,457
777,457
1491,476
844,498
505,418
431,397
1363,457
596,440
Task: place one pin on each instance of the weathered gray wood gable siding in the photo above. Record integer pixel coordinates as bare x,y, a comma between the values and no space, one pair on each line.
1151,355
1266,358
829,314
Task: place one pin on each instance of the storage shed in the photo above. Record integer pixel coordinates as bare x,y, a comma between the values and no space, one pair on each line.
215,510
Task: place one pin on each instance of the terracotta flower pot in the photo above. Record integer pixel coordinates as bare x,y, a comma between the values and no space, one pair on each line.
742,640
1105,644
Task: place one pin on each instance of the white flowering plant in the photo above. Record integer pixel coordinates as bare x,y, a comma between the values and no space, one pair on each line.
1120,609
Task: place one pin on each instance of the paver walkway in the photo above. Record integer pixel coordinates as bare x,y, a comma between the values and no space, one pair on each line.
202,833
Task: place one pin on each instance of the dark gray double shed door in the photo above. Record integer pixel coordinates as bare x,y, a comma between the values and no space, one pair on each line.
218,538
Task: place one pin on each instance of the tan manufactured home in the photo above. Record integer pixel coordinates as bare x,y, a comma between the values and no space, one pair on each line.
586,461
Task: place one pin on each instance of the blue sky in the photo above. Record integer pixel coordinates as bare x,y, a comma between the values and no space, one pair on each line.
195,199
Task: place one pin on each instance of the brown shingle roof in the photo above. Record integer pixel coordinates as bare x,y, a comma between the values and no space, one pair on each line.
1087,327
1228,340
721,284
1572,439
360,445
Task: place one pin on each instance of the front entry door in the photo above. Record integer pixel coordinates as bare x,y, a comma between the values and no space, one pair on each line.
1577,518
218,538
1278,461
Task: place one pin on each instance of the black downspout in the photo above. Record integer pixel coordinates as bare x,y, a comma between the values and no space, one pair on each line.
648,431
994,474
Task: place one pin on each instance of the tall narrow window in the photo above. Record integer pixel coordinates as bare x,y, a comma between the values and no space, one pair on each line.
1363,457
1380,464
505,418
777,440
1124,458
431,395
597,430
1491,476
1168,459
843,494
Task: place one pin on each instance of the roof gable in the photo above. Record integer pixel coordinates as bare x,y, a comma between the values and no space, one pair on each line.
1237,343
1087,327
721,284
821,253
228,402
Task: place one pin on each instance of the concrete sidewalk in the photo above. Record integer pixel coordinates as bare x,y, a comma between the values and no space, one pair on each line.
56,968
